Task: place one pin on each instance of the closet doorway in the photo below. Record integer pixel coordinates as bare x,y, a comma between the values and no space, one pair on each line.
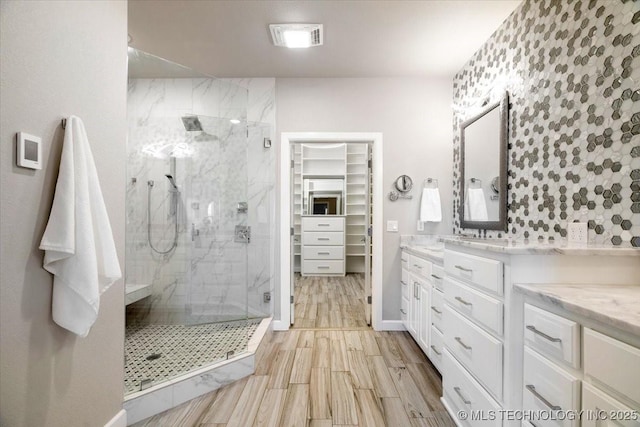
333,202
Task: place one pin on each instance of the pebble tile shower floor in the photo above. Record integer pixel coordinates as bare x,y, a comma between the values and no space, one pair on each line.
180,348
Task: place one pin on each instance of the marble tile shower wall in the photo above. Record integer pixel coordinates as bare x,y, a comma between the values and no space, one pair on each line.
208,277
572,70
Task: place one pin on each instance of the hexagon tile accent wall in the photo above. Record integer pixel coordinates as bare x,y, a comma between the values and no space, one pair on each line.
572,70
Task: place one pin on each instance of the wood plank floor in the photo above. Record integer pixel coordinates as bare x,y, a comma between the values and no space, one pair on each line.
323,375
329,302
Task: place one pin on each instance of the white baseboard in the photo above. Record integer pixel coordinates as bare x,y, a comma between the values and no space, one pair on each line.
392,325
281,325
119,420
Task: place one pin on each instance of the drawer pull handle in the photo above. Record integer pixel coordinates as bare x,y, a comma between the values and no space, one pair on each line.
463,301
466,347
435,350
323,238
403,260
464,399
533,391
402,311
468,270
324,253
436,277
402,283
323,267
324,225
542,334
417,266
436,310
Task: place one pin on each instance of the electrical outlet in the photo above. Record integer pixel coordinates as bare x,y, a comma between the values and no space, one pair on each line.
420,226
577,232
392,226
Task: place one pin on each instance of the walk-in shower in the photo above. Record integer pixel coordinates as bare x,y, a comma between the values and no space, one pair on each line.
193,297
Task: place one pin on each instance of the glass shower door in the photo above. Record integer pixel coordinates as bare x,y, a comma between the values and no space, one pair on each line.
219,233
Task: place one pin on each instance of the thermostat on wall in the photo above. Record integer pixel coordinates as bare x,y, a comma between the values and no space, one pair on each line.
29,151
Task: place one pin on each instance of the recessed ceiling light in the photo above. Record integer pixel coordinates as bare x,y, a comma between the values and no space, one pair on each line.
297,35
234,121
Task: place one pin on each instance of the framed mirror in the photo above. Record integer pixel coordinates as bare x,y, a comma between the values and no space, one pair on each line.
323,196
483,177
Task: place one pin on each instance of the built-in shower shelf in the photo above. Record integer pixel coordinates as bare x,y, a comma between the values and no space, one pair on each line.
135,292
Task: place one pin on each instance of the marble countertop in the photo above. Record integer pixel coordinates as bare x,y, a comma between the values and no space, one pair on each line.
424,245
435,253
614,305
534,247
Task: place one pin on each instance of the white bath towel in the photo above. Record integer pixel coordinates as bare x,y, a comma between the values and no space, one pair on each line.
476,205
430,208
78,243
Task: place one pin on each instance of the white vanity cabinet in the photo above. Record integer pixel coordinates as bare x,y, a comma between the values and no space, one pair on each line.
500,354
422,301
571,367
473,333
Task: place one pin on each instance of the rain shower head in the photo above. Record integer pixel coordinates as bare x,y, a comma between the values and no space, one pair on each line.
172,181
192,123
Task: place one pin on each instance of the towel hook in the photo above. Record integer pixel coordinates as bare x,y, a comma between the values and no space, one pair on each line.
63,123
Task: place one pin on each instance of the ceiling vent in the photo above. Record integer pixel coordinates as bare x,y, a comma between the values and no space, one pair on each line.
296,35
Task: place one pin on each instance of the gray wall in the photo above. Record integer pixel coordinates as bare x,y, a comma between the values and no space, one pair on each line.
414,116
58,58
572,71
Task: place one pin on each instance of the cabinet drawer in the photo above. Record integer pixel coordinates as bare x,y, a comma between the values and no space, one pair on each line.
404,259
323,252
324,223
475,349
480,308
483,272
420,266
552,335
322,267
437,305
405,276
612,363
322,239
404,308
463,393
594,401
436,346
547,387
437,276
404,284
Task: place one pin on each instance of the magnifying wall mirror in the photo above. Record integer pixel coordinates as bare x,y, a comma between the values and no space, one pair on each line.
483,143
404,184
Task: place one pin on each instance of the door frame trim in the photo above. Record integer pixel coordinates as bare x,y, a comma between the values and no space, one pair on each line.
288,138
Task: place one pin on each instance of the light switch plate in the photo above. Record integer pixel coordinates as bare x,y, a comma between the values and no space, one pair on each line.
392,226
420,226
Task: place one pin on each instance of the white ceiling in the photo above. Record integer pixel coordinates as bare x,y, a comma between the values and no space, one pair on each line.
362,38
